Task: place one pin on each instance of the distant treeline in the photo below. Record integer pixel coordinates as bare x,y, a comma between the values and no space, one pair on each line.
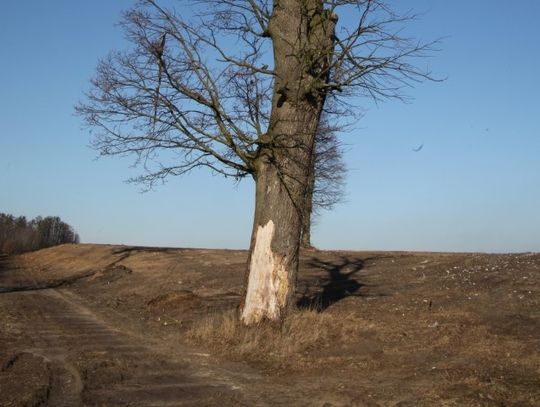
19,235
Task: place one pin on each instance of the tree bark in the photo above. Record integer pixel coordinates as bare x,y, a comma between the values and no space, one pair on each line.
302,34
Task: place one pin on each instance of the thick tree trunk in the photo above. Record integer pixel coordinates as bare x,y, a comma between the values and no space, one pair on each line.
302,35
274,249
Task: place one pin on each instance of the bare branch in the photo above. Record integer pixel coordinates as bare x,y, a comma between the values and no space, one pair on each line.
203,87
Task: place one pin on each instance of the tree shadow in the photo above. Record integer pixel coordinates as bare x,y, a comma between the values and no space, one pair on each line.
127,250
339,283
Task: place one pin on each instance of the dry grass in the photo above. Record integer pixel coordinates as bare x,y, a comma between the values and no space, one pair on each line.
303,334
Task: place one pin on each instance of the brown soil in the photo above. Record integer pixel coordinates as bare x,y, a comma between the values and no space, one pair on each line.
97,325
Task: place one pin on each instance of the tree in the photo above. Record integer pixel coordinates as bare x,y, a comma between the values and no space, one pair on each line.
240,90
326,181
17,235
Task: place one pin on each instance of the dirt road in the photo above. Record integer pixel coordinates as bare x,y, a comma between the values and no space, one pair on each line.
82,359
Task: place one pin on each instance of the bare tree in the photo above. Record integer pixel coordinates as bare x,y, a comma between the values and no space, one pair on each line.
239,89
17,235
326,180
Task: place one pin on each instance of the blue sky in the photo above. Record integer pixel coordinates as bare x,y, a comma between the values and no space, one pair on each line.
475,185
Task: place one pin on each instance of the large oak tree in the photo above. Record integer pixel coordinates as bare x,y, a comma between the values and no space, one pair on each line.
238,86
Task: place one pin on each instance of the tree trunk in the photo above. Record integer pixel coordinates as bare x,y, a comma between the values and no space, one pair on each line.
302,36
308,209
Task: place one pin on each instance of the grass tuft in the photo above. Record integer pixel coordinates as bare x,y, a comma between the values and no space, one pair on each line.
304,332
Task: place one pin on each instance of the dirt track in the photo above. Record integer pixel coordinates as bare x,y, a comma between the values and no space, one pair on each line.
85,360
395,329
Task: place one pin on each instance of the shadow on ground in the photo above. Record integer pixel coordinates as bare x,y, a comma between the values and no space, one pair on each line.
128,250
340,282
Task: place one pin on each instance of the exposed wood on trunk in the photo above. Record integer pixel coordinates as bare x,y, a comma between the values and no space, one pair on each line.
268,278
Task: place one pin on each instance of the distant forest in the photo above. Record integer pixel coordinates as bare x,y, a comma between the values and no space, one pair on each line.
19,235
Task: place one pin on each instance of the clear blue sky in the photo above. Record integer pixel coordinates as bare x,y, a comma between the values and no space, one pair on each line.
475,185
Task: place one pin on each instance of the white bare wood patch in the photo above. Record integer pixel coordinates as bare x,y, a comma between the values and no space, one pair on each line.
267,281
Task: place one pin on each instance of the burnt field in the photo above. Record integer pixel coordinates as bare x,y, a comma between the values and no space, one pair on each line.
97,325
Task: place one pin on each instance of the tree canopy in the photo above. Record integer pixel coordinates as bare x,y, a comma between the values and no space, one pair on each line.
195,88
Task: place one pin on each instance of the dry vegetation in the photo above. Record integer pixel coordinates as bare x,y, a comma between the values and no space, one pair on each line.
372,329
292,346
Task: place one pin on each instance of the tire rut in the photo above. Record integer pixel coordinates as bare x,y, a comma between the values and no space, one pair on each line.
93,363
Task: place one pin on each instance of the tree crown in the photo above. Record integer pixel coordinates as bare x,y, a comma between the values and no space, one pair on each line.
198,91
